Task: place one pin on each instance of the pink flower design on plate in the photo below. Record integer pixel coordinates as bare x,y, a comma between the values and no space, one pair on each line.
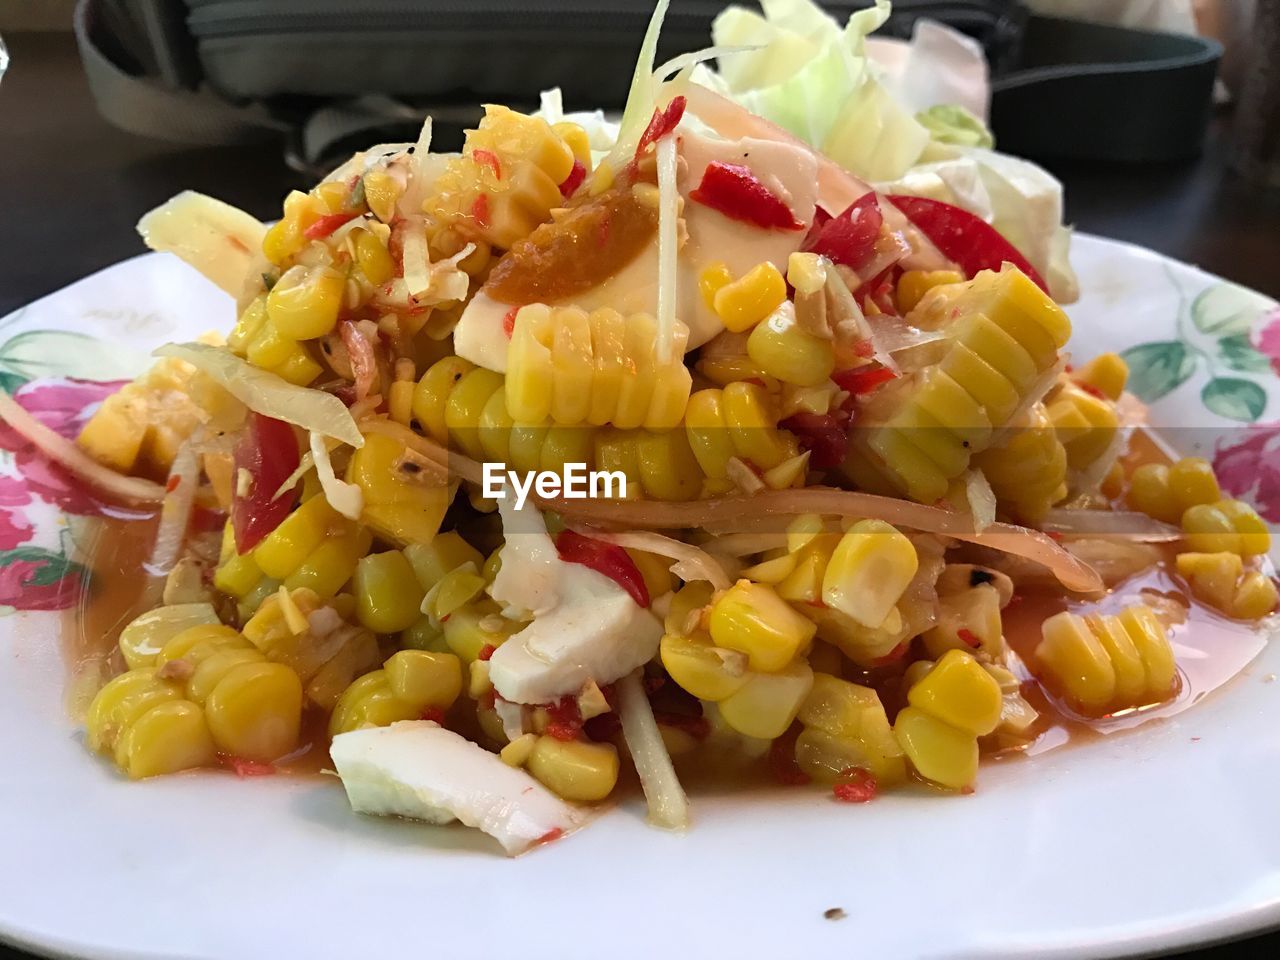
63,405
1250,468
15,528
36,579
1267,340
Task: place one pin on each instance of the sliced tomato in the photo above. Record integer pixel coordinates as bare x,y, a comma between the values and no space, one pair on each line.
849,238
268,452
605,558
960,236
740,195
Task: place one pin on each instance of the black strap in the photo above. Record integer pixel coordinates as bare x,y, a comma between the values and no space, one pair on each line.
1091,91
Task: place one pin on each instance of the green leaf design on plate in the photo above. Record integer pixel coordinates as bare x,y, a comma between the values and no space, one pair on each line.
1157,368
62,353
1239,354
50,567
1226,309
1234,398
10,382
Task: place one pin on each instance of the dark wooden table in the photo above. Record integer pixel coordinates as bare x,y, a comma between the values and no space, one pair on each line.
73,187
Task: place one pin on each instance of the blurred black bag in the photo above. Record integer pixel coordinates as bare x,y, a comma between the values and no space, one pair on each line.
332,75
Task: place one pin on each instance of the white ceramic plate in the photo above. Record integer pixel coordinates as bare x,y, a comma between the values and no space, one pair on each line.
1144,841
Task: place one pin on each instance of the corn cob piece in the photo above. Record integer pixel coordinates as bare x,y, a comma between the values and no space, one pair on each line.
1220,580
1027,469
410,683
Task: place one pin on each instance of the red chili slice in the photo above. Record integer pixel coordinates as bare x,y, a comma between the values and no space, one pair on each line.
574,180
509,321
960,236
489,159
737,193
480,210
862,380
856,786
268,451
246,768
487,651
327,224
967,636
434,714
823,435
850,238
605,558
664,120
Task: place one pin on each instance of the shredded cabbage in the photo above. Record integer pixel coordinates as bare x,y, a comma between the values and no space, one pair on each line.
668,215
668,805
640,98
269,395
346,498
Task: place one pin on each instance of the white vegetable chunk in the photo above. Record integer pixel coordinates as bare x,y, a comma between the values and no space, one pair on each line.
418,769
221,241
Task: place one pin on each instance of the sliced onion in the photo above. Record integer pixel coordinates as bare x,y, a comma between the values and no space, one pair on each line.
415,258
114,486
458,464
695,563
1129,524
981,498
346,498
175,518
268,394
668,240
745,544
668,805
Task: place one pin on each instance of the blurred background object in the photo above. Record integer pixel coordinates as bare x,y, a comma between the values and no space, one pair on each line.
1257,154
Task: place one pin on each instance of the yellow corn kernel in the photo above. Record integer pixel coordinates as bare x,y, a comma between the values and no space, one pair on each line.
869,571
466,403
517,752
196,643
655,571
381,192
693,597
667,464
143,639
711,279
213,668
753,619
914,284
1192,481
329,566
765,706
425,679
1077,662
1255,596
304,302
1106,373
298,368
701,669
458,588
752,420
445,553
707,432
1213,577
287,547
373,258
475,626
402,510
255,711
1255,538
575,770
431,395
388,594
940,752
400,401
781,349
170,737
1150,493
854,716
601,180
1151,640
960,692
1208,529
741,304
825,757
575,138
122,701
994,392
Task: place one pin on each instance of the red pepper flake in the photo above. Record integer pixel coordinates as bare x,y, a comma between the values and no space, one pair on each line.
567,732
509,322
737,193
480,210
855,786
574,180
662,123
489,159
174,482
968,636
864,349
1090,389
486,652
864,379
822,435
1053,535
606,558
782,763
555,833
327,224
246,768
434,714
